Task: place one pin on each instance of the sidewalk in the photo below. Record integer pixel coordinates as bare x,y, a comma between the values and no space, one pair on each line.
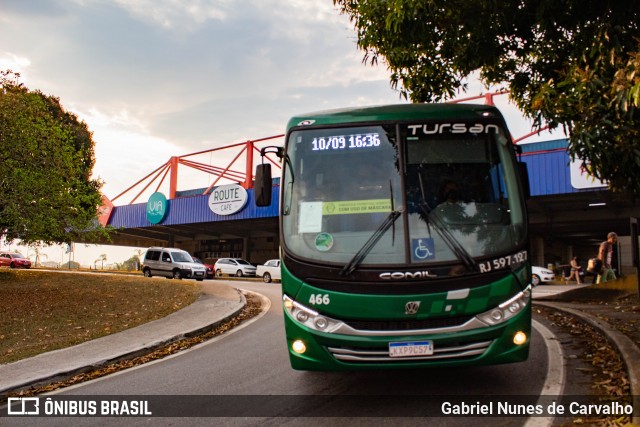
219,302
614,310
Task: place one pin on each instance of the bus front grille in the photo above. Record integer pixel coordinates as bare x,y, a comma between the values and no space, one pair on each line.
378,355
407,325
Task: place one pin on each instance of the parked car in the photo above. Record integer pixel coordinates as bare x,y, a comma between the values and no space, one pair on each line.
14,260
540,275
269,271
234,267
209,267
172,263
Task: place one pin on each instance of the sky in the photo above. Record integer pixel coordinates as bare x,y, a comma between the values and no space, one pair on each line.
159,78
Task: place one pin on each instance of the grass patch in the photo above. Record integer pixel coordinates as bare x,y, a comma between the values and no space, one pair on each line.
42,311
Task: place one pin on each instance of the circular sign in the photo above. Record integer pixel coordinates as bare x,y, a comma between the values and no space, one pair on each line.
156,208
227,199
324,242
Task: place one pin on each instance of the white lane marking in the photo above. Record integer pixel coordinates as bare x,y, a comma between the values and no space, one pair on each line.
554,383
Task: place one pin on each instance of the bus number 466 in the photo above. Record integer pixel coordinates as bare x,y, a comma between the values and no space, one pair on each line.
319,299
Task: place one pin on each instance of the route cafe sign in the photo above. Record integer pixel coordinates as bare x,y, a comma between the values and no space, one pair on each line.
227,199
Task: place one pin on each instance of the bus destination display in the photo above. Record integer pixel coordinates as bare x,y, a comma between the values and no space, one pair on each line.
345,142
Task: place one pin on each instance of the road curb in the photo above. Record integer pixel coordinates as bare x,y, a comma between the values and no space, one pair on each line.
628,350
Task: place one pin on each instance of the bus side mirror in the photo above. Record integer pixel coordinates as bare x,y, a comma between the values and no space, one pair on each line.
262,186
524,178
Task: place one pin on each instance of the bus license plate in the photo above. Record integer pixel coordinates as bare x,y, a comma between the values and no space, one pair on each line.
409,349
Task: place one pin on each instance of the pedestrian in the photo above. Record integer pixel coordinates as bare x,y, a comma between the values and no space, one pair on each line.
575,270
605,255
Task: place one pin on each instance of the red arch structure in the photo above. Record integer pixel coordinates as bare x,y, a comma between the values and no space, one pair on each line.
243,150
234,170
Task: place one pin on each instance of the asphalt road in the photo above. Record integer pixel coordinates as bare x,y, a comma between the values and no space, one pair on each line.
248,369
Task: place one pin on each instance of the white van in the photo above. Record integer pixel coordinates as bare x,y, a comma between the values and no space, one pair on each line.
172,263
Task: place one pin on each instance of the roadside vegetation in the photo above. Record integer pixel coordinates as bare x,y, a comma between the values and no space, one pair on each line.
47,194
42,311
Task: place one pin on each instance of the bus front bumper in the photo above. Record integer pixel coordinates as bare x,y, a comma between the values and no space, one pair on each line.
506,342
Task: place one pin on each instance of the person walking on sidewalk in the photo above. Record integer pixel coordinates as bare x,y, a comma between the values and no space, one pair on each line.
605,254
575,271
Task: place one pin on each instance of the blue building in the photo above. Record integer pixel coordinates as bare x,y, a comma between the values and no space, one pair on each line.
569,213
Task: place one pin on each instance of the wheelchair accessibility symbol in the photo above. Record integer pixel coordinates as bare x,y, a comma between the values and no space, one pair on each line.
423,249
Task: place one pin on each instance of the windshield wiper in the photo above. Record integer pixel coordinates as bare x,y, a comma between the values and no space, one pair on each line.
458,250
371,242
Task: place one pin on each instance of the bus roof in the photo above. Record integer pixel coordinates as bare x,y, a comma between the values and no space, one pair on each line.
396,112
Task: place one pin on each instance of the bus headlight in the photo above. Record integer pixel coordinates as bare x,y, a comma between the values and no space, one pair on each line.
507,309
298,346
519,338
309,317
514,307
497,315
321,323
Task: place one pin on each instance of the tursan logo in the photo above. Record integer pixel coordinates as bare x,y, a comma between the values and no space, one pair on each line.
156,208
438,128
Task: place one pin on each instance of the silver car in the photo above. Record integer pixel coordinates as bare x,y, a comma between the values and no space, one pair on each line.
234,267
173,263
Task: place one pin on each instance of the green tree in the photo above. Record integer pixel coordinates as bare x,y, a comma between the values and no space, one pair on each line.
71,265
569,63
138,256
131,264
37,252
46,191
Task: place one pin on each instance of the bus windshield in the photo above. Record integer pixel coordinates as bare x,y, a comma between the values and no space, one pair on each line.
407,194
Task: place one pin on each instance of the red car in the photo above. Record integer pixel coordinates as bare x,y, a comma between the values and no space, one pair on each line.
14,260
209,267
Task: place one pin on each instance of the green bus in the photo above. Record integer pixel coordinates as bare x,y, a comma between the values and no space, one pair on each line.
403,234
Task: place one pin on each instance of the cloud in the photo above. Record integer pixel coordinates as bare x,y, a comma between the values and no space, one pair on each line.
125,152
10,61
155,78
32,9
176,14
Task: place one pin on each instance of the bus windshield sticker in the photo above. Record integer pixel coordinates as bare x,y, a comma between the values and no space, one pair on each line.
423,249
310,217
324,242
356,207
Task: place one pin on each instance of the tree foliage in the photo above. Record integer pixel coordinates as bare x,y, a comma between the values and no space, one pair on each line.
569,63
46,158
